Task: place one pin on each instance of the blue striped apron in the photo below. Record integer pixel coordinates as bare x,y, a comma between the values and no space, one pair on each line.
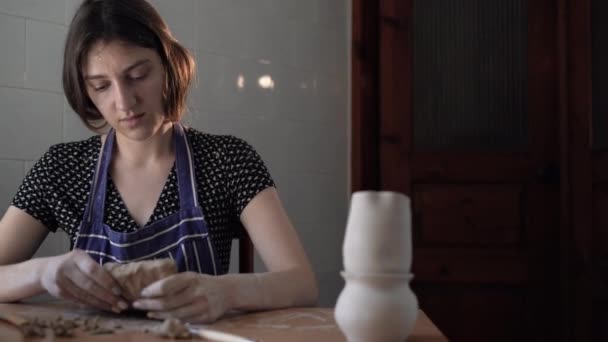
183,236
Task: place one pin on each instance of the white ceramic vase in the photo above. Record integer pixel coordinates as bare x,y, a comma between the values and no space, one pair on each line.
378,237
379,308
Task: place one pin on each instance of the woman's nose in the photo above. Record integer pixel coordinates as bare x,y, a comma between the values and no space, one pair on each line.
125,98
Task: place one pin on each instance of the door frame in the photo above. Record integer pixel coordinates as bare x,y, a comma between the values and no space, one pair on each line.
365,163
577,198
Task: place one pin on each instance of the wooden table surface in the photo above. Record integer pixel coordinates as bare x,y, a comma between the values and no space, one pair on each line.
294,324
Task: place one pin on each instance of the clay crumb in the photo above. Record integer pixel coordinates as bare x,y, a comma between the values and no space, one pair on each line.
30,329
62,327
172,328
58,327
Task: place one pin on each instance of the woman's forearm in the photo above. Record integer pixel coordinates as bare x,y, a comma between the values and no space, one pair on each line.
271,290
21,280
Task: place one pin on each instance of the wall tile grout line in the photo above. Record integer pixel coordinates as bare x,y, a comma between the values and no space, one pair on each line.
32,18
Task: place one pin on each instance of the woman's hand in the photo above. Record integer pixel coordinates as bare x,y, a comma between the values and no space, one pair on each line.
188,296
75,276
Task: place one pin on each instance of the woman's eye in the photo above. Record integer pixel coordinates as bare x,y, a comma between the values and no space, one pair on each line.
100,88
138,76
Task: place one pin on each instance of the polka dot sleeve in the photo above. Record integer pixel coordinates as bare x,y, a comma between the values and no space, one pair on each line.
35,195
246,173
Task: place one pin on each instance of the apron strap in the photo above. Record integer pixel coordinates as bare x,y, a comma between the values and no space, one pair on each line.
98,189
185,169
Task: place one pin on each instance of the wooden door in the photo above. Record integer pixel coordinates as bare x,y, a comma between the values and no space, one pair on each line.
587,89
469,128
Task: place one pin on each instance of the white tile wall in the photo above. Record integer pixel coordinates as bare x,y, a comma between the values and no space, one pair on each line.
299,124
70,10
30,122
12,40
315,50
316,148
313,198
174,12
43,10
216,85
73,129
12,174
331,14
295,94
43,55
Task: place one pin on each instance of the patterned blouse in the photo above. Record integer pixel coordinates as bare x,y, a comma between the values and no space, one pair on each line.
229,173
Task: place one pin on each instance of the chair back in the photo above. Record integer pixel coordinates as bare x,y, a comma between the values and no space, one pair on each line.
245,249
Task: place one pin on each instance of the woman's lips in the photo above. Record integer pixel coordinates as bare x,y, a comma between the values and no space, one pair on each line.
132,120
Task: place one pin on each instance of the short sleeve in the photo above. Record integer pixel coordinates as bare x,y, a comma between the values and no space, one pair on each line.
247,173
35,195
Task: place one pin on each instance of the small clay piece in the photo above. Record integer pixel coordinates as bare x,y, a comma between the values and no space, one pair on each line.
60,323
61,331
135,276
172,328
91,324
41,322
32,329
58,327
62,327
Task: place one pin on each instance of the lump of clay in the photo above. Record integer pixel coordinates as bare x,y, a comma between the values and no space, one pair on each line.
135,276
172,328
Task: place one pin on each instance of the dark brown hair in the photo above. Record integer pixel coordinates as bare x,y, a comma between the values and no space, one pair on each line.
131,21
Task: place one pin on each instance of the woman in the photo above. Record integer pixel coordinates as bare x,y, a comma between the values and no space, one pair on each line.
147,189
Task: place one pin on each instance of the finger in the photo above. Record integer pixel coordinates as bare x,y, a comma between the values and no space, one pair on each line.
57,289
97,273
90,287
165,303
167,286
79,295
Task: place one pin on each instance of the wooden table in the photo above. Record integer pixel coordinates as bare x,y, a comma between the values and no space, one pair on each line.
294,324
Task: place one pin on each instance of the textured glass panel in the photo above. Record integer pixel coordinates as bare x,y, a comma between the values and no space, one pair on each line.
470,74
599,72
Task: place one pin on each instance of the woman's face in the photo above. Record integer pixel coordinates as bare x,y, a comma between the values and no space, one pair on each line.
125,82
